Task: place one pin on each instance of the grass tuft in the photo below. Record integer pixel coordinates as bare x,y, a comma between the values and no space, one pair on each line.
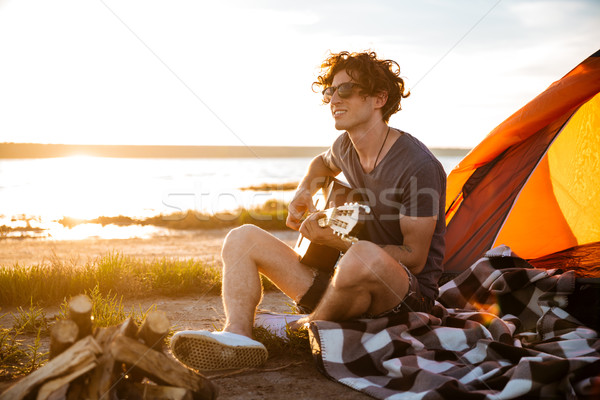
30,321
296,344
114,273
16,356
11,350
107,310
34,357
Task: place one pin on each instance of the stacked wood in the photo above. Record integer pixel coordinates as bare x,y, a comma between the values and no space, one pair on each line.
118,362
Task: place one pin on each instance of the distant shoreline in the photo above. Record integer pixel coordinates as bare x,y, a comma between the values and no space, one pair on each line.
37,150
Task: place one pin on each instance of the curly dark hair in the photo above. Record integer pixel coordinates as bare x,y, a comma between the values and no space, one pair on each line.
373,75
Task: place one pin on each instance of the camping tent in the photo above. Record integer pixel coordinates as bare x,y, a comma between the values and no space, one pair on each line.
533,183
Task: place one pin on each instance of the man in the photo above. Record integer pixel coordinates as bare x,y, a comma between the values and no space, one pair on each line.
394,268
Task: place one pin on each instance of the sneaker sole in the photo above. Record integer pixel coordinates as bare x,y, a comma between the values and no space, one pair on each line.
207,354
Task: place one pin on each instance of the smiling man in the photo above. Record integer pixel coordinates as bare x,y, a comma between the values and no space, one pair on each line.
395,265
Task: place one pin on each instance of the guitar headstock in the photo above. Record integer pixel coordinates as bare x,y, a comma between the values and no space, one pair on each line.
346,221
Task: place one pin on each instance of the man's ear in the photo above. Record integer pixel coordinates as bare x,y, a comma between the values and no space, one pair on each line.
381,99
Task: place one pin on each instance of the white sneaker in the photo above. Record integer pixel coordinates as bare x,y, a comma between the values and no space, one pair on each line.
277,324
212,351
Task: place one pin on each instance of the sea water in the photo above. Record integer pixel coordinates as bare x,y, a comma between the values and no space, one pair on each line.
40,192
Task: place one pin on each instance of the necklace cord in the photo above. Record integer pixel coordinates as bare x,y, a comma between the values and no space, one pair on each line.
382,145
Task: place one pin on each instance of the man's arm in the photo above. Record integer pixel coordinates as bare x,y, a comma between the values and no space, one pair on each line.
318,171
417,232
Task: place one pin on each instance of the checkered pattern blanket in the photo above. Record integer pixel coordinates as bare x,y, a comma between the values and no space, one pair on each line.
497,331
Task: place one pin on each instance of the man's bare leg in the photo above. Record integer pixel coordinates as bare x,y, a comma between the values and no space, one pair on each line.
247,252
367,280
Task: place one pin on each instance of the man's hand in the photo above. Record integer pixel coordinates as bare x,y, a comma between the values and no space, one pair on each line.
300,205
317,234
316,176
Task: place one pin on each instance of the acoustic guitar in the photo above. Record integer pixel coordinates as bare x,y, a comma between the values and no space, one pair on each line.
346,217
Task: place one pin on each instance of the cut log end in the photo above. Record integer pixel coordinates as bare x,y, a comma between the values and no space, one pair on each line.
80,304
63,334
80,311
154,329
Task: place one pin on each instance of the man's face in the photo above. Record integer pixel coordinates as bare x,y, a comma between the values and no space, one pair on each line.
353,112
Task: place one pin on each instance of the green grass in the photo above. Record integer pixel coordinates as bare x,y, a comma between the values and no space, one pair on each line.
116,274
50,284
32,320
297,343
11,347
17,355
107,310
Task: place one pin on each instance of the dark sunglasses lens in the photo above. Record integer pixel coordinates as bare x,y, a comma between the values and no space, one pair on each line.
345,90
328,93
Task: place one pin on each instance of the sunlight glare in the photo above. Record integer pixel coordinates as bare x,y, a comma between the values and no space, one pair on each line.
85,231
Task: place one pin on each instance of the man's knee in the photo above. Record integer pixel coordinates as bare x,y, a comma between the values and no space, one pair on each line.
364,262
241,238
242,234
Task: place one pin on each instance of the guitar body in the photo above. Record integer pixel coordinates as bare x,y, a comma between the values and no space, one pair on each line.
318,256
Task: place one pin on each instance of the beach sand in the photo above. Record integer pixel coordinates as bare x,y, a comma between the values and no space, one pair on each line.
282,377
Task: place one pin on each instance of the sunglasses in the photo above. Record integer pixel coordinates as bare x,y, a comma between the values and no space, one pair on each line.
344,90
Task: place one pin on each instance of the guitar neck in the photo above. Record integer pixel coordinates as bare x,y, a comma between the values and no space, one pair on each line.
337,193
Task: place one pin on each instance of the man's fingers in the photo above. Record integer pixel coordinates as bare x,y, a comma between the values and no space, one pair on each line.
291,223
293,226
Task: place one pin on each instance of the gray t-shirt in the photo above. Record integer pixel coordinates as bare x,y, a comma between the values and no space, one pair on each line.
410,181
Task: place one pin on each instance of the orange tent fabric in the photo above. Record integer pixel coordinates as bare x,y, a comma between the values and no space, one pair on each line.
534,182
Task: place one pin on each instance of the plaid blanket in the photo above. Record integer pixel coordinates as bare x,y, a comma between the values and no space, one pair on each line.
497,331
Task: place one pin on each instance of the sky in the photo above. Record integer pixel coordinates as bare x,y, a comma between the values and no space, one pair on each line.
189,72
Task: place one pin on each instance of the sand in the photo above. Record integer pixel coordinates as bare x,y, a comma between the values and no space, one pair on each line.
282,377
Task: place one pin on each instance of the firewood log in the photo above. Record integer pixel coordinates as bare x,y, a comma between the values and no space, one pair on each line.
77,389
160,368
111,363
61,383
106,335
59,394
154,329
80,311
62,335
102,379
77,357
